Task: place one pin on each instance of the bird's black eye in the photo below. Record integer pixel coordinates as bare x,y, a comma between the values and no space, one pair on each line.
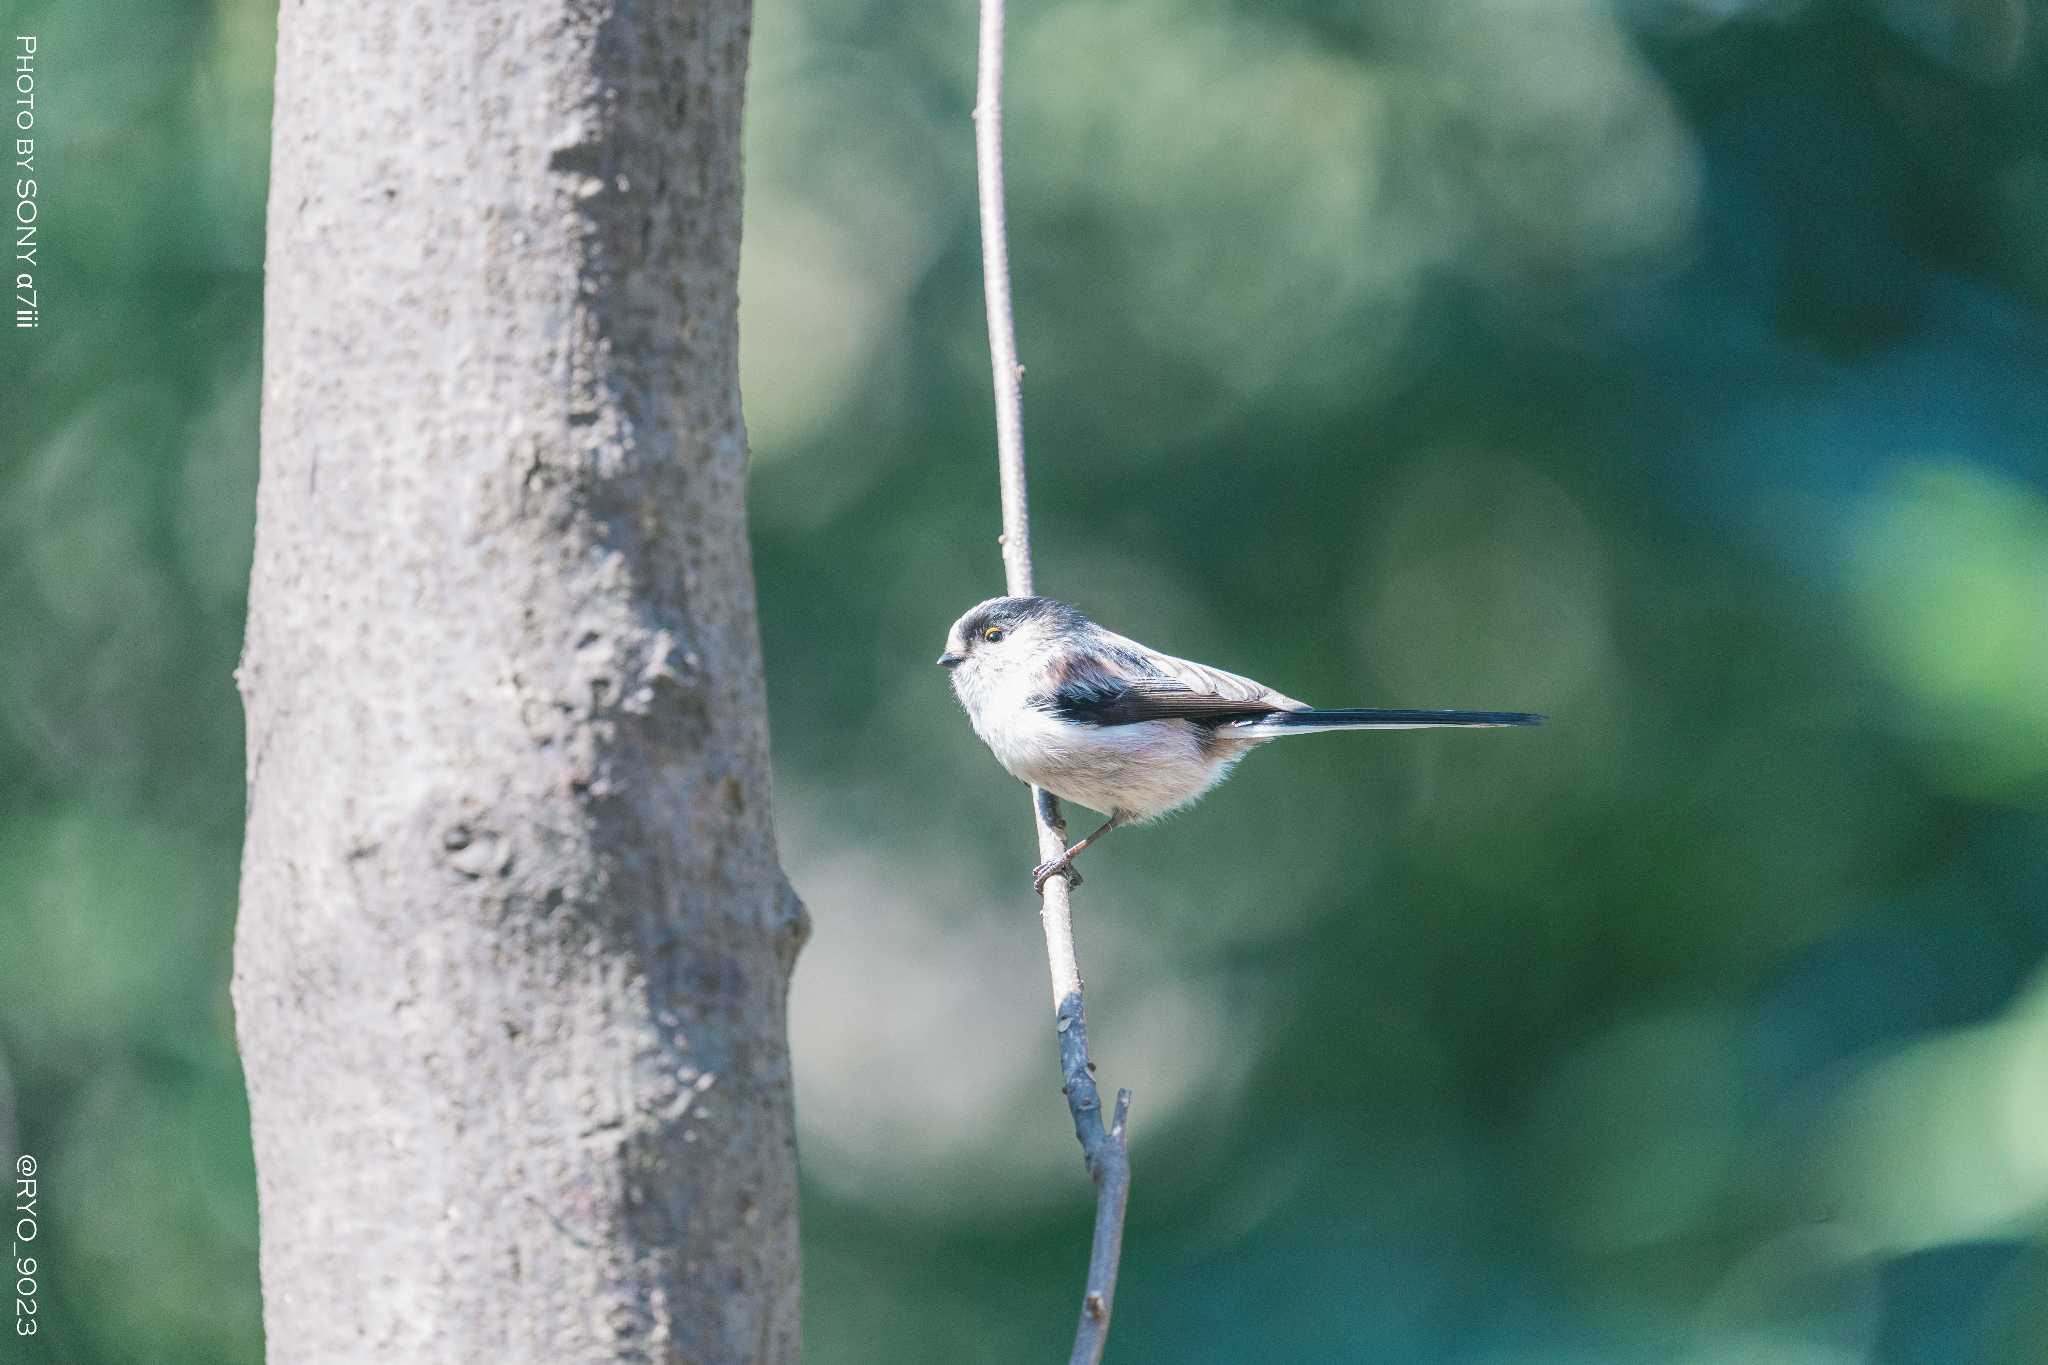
992,634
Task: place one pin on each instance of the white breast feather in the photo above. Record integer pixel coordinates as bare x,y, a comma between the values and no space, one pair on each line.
1143,770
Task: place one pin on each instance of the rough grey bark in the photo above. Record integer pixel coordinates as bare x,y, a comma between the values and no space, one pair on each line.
514,940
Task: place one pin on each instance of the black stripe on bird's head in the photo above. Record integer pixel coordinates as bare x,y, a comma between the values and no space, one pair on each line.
990,623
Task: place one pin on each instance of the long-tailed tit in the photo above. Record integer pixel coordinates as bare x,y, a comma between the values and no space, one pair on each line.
1094,718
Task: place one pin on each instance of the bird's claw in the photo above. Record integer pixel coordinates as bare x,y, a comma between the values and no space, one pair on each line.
1051,868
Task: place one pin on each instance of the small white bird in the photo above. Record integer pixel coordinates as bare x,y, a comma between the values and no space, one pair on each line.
1092,717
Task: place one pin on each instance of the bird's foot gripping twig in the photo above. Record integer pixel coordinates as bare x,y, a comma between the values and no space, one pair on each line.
1046,870
1056,820
1053,867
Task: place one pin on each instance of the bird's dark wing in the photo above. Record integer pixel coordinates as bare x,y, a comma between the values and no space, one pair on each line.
1122,687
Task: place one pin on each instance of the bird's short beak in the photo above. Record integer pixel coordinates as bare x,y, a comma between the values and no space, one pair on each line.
951,660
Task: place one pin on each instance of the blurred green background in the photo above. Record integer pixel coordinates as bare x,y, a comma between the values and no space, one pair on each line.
1678,368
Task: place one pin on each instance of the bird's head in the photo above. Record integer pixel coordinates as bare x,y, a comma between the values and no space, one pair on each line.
1003,636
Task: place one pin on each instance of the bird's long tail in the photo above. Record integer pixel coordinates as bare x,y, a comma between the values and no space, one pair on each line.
1373,718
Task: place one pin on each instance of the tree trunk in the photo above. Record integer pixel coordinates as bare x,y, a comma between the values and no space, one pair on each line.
514,941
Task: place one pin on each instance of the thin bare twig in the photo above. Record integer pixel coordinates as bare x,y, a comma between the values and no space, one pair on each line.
1103,1148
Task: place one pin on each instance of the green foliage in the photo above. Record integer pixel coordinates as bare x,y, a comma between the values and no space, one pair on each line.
1671,367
